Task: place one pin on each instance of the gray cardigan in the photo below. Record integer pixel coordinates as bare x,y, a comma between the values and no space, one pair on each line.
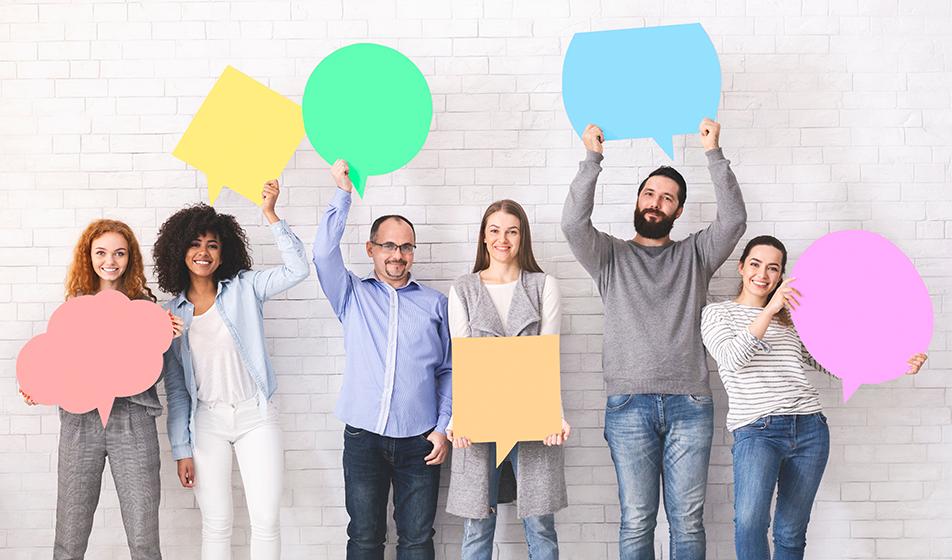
540,484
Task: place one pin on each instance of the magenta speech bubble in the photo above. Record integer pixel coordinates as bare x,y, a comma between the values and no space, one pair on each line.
865,311
96,348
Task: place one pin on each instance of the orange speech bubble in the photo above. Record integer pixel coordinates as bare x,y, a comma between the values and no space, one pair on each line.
96,348
506,390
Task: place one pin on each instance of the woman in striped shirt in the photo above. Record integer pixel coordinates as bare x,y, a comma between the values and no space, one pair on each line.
781,438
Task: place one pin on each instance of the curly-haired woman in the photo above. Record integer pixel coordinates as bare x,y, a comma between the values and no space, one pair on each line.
218,376
107,257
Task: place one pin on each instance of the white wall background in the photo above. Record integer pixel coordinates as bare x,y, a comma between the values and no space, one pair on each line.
836,114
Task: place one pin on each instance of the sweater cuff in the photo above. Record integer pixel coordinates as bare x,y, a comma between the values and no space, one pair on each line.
717,154
594,157
756,343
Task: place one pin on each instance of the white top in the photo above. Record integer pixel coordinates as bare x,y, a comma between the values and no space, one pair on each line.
501,296
762,376
220,375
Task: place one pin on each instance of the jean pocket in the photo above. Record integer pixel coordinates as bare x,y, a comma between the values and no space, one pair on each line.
426,435
617,402
352,431
757,425
702,399
823,419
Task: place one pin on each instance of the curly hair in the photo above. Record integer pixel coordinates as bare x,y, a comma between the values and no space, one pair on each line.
177,234
82,280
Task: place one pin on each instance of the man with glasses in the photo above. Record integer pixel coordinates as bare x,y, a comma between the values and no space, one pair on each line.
396,394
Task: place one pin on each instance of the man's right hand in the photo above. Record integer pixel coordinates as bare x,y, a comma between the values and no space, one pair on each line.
593,137
341,173
186,472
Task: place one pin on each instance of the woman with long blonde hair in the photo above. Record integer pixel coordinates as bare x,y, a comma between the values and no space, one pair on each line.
107,257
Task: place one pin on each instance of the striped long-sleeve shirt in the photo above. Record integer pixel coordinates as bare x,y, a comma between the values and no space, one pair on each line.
762,376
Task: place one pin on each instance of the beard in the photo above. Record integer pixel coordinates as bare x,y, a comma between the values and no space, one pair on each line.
653,230
395,268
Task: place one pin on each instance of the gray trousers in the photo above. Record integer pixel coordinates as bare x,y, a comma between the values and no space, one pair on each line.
131,442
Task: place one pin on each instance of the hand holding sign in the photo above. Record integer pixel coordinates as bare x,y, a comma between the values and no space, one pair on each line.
651,82
96,348
862,331
369,105
506,390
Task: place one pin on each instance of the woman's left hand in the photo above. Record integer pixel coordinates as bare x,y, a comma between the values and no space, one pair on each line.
269,196
915,363
177,325
560,438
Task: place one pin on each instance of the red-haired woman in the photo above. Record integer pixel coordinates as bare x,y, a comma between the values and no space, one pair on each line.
107,257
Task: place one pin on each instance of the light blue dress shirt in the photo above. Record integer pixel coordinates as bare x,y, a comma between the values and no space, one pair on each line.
397,375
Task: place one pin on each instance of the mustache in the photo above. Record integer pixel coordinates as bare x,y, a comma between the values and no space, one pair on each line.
395,261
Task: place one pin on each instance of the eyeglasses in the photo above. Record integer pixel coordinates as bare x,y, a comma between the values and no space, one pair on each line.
390,247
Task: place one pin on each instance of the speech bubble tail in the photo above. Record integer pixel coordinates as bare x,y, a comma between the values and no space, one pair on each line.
214,189
104,410
359,181
666,143
849,388
502,450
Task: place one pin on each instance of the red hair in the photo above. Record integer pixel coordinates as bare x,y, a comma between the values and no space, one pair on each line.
82,279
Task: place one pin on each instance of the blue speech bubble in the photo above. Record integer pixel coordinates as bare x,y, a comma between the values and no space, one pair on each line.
650,82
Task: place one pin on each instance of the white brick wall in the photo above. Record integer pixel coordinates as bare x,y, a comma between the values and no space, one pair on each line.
837,114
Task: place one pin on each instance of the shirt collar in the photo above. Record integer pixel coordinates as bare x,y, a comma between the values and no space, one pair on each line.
372,276
181,300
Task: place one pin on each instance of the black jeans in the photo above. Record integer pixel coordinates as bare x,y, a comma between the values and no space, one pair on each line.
371,464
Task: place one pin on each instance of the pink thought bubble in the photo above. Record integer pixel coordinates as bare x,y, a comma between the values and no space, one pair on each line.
96,348
865,311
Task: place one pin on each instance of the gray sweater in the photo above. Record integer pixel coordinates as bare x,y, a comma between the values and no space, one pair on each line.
653,295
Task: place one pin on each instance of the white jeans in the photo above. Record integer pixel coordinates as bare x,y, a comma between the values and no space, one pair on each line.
257,444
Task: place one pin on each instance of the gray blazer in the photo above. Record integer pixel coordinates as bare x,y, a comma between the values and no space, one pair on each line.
540,484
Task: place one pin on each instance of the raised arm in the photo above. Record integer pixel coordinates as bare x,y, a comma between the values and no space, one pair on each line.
335,279
272,281
591,247
717,241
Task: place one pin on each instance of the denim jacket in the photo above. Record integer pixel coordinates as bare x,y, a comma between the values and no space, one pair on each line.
240,301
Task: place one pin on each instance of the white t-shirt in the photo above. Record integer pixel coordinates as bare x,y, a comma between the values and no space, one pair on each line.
220,375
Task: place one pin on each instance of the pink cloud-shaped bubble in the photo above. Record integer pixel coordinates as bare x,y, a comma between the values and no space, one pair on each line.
96,348
865,310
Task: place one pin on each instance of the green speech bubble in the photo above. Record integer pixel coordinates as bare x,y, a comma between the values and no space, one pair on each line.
370,105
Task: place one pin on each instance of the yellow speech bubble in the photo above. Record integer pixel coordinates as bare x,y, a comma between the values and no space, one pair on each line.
243,134
506,390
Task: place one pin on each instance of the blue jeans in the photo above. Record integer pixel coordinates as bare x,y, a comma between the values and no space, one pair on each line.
787,453
478,533
660,441
371,464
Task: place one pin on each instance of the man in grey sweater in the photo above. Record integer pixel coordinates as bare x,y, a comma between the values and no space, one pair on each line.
659,417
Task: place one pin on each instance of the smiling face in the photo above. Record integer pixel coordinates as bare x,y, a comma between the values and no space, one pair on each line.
502,237
109,254
761,271
203,256
657,207
392,266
